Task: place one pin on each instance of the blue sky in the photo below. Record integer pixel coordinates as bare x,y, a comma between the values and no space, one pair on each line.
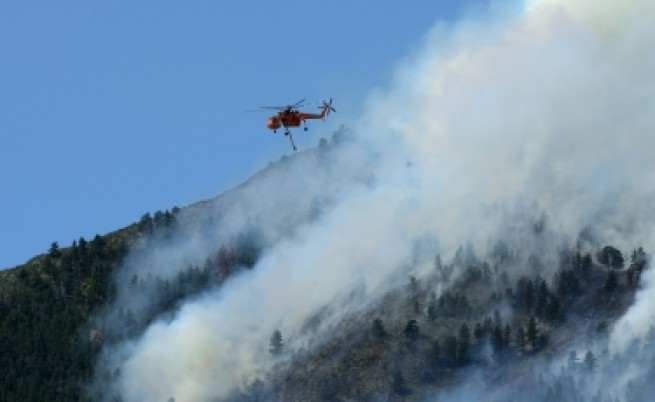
109,110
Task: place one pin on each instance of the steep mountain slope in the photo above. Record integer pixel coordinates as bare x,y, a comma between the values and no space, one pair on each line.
53,309
483,233
439,325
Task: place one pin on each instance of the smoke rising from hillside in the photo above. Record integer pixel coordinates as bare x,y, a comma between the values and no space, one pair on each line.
550,109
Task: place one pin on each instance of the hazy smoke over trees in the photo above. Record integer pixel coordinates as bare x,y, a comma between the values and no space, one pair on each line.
544,109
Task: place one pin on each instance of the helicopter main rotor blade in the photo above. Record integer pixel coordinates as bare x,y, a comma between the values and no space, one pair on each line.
273,107
297,104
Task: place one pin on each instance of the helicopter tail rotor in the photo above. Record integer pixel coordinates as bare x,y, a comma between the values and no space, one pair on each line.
327,106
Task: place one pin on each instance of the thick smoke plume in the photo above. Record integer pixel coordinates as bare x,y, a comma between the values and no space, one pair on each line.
546,106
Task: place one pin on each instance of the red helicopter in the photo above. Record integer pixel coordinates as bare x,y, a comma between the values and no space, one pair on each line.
290,116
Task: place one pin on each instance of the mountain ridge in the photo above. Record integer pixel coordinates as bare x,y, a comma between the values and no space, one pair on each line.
450,321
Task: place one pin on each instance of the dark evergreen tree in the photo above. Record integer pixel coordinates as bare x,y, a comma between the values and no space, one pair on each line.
498,341
54,250
377,329
432,307
417,306
145,225
450,349
532,332
553,309
639,259
399,384
630,276
524,294
434,354
611,281
507,335
478,332
463,344
590,361
583,264
568,283
276,344
437,262
542,299
412,329
611,257
520,339
602,329
573,360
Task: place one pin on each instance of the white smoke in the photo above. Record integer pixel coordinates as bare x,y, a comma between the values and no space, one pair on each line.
553,107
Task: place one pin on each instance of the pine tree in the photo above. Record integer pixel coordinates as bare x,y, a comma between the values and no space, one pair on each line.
520,339
434,354
611,257
573,360
532,332
478,332
54,250
276,345
542,299
432,307
498,341
399,384
412,329
553,309
590,361
450,349
463,344
610,282
377,329
507,336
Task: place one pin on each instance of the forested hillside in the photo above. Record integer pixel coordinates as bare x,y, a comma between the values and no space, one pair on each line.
482,230
496,334
45,351
502,317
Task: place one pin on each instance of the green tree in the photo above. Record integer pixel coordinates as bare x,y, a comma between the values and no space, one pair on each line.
399,384
630,276
553,309
412,329
542,299
573,360
478,332
463,344
54,250
276,345
450,349
432,307
568,283
532,332
377,329
498,341
611,257
507,335
611,281
590,362
146,224
434,354
437,262
520,339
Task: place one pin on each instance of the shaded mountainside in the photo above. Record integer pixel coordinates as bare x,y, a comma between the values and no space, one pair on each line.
50,337
491,316
415,345
43,307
